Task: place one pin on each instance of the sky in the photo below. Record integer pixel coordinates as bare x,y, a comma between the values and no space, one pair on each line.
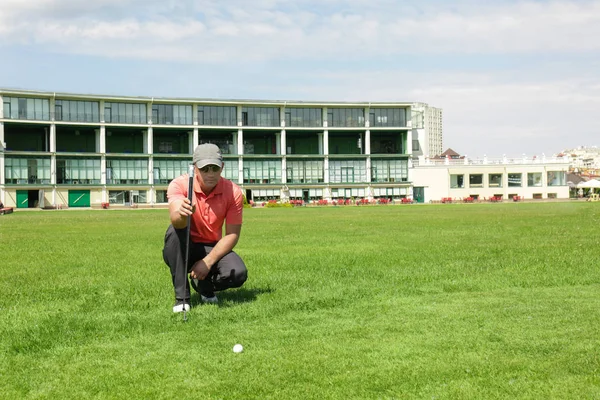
512,77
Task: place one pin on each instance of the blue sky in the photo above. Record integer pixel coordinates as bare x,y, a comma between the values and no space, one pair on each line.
512,76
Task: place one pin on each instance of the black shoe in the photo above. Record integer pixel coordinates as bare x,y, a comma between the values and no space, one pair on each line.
181,306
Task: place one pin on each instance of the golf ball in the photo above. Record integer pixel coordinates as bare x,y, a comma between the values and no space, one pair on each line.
238,348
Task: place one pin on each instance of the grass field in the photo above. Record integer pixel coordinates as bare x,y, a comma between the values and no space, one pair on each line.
384,302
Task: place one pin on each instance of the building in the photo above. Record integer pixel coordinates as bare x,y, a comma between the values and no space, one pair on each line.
427,130
78,150
459,178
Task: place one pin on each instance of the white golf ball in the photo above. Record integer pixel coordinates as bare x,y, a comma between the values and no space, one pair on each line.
238,348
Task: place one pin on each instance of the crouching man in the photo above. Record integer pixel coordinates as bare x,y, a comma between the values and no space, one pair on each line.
212,264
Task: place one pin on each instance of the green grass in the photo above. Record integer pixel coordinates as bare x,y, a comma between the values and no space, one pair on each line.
386,302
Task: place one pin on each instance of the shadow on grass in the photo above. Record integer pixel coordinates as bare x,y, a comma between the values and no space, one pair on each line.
232,297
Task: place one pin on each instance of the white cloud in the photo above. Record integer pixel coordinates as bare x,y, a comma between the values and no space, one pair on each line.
265,28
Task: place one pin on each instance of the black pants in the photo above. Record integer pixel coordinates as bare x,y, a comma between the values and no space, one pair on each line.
229,272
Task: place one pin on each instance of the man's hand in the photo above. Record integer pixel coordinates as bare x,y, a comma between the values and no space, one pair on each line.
185,208
199,270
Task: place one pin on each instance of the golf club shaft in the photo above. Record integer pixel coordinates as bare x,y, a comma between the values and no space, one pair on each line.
188,229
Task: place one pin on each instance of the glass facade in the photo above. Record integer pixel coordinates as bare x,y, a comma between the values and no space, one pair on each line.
457,181
231,170
557,178
77,111
515,180
347,171
346,117
476,180
303,117
495,180
125,113
26,170
169,114
127,171
167,170
262,171
387,117
389,171
217,115
77,171
304,171
534,179
26,108
260,116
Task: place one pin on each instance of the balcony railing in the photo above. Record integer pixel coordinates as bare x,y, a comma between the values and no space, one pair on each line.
218,122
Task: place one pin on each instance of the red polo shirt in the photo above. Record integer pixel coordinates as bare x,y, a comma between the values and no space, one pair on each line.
224,204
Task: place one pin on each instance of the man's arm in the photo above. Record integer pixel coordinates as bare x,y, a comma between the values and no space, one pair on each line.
223,246
178,212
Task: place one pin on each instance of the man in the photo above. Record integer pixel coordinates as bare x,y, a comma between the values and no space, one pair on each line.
212,264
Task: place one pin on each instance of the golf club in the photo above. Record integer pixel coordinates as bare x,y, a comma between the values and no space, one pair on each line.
187,230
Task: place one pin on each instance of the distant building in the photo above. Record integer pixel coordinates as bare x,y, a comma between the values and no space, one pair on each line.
427,130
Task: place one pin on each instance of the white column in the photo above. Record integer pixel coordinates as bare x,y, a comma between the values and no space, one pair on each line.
2,142
284,170
326,170
234,144
149,141
320,140
102,148
326,142
239,115
240,141
283,143
278,148
282,116
324,117
368,166
367,117
367,142
1,109
2,177
409,137
195,113
53,169
151,170
103,170
52,138
194,138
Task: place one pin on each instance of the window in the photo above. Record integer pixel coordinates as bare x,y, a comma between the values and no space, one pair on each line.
168,114
27,170
217,115
514,180
77,111
389,171
346,117
125,113
457,181
167,170
260,116
557,178
347,171
26,108
262,171
304,117
304,171
476,180
387,117
534,179
71,171
127,171
495,180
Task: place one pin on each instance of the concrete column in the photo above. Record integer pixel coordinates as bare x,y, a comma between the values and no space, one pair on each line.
195,114
326,142
194,140
52,138
2,141
409,139
149,140
326,170
239,115
102,140
1,108
234,143
367,143
367,117
149,114
240,141
324,117
2,176
282,116
368,166
283,142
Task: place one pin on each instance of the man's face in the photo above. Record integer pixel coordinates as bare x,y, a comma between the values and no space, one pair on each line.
209,176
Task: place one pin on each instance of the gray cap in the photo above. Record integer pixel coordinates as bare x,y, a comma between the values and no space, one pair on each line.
207,154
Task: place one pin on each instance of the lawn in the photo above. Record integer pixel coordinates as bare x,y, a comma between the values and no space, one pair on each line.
456,301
